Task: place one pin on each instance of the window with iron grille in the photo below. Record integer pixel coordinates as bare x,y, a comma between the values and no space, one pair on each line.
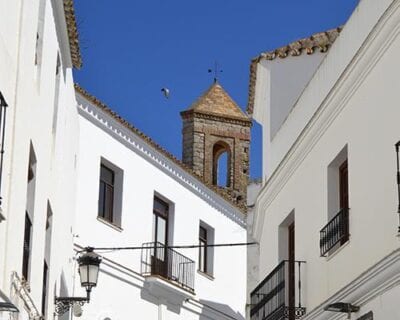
336,232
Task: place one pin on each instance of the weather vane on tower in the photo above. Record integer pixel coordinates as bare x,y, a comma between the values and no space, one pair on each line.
216,70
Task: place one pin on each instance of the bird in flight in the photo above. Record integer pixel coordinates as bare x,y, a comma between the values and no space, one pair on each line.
165,91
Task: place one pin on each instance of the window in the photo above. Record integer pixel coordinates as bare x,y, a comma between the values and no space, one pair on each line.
47,253
44,287
27,247
367,316
344,199
161,256
206,254
29,213
160,218
106,193
110,193
56,95
203,249
336,232
39,39
222,165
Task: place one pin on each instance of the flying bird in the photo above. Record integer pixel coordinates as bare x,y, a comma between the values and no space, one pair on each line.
165,91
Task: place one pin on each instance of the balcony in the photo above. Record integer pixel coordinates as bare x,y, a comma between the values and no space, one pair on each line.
335,233
276,297
168,264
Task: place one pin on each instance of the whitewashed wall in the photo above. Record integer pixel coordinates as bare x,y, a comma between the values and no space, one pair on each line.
352,100
280,82
146,172
30,119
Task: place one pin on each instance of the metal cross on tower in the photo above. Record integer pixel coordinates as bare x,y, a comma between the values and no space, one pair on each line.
216,70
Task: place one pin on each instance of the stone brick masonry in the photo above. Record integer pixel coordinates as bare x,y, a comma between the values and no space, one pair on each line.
212,125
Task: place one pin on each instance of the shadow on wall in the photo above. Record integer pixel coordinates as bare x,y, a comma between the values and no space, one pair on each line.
211,308
173,306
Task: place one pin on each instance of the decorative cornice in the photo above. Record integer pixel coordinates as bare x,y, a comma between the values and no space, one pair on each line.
72,28
321,42
158,158
335,101
217,117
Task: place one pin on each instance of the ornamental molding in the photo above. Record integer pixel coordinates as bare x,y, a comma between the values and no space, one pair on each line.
102,120
377,280
363,62
215,116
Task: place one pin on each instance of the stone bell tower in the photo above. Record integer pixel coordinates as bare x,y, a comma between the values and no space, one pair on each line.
212,126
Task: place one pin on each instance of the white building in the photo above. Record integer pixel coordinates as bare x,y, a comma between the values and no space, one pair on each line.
329,200
77,175
132,193
38,49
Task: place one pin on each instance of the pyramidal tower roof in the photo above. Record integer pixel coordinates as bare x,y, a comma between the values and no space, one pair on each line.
217,102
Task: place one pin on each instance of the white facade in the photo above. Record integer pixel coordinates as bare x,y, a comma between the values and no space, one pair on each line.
42,133
349,110
142,173
54,148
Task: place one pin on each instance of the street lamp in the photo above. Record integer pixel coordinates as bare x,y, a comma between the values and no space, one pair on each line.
89,264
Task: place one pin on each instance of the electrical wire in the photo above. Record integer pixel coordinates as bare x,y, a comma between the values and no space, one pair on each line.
110,249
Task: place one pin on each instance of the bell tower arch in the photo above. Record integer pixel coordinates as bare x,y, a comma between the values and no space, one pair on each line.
215,128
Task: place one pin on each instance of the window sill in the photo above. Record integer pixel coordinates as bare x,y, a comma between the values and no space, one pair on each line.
336,251
110,224
206,275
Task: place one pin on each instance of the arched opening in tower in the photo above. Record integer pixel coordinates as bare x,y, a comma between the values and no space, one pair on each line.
221,165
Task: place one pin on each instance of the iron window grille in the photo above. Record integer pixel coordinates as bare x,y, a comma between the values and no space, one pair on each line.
160,260
335,232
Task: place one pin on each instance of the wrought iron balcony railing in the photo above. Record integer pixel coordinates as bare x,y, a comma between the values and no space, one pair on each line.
157,259
335,233
278,296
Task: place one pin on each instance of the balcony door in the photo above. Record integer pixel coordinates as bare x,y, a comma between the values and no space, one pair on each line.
291,271
159,263
344,199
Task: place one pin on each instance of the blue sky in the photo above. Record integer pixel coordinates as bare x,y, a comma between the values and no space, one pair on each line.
131,49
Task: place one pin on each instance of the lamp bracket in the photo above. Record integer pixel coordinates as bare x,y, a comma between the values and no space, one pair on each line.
63,304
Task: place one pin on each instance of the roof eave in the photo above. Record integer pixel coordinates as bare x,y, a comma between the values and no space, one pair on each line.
321,42
73,36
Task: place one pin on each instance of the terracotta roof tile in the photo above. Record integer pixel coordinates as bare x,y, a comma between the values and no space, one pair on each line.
72,33
156,146
217,102
321,42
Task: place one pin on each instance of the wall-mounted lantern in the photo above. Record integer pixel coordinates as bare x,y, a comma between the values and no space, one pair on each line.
89,264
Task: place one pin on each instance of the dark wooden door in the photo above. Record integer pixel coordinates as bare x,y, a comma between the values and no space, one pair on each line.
344,186
344,200
291,272
160,256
